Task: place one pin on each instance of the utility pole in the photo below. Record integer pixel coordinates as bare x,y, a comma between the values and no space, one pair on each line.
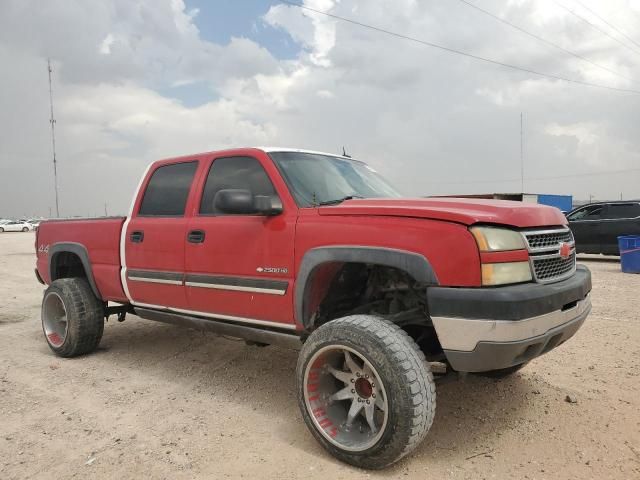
52,121
521,157
105,209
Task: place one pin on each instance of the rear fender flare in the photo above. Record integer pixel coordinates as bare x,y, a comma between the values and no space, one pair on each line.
413,263
79,250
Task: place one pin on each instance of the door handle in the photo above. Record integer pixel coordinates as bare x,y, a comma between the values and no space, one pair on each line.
195,236
137,236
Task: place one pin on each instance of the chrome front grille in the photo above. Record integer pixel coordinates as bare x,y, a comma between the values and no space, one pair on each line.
547,263
545,240
551,267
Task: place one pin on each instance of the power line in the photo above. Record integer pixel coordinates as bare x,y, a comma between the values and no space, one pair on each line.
610,25
543,40
594,26
459,52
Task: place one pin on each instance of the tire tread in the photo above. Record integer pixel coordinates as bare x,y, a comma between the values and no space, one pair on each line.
85,318
418,381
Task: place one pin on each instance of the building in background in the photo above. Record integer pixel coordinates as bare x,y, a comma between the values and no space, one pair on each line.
561,202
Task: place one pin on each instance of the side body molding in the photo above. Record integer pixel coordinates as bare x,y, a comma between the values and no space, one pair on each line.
79,250
414,264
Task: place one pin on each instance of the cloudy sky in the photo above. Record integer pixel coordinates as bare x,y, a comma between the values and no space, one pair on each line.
135,81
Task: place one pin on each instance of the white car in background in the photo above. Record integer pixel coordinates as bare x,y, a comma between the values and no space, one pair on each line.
12,226
34,222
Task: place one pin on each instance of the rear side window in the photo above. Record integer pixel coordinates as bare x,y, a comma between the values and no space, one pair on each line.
623,210
244,173
168,189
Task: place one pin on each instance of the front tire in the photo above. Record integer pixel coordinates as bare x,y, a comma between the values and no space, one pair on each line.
72,317
365,391
25,229
1,230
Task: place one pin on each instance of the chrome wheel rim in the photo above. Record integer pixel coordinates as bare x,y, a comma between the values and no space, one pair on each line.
54,319
345,398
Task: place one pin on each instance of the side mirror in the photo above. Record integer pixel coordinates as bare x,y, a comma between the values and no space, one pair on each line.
234,201
269,205
242,202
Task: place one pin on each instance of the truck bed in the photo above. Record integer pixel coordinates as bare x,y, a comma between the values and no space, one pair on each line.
100,237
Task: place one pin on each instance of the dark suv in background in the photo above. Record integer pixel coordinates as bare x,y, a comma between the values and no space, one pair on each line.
597,226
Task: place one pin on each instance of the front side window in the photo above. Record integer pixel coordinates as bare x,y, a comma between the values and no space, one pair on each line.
623,210
587,213
237,173
316,179
168,189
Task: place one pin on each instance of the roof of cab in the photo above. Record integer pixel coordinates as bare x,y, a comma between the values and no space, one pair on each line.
299,150
235,151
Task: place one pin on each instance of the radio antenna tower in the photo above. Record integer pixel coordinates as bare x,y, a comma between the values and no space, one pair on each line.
521,158
52,121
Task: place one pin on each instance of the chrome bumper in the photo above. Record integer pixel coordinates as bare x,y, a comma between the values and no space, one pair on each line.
478,345
464,334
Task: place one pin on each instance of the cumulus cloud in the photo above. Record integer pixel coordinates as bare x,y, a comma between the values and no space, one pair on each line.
433,122
105,46
312,30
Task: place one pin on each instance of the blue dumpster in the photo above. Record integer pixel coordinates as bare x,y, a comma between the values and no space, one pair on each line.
629,253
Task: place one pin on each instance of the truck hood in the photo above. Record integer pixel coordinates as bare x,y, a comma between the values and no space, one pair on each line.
460,210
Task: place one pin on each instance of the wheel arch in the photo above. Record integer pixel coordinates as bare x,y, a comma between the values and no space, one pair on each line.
322,259
62,252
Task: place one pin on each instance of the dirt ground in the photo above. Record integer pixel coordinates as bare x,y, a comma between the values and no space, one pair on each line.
157,401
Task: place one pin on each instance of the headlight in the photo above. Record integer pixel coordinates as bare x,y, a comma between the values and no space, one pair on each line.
492,239
502,273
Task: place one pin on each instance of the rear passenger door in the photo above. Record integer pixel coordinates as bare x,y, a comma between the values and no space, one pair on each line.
619,219
154,239
585,225
240,267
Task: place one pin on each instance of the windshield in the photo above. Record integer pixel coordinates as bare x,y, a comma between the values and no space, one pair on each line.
316,179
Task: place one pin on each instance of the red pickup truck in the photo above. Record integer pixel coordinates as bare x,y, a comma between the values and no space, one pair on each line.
317,252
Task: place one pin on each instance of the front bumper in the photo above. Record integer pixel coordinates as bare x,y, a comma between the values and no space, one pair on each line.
484,329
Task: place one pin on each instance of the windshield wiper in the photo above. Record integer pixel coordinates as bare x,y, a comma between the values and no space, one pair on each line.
338,200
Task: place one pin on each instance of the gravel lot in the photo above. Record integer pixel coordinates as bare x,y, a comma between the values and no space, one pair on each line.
157,401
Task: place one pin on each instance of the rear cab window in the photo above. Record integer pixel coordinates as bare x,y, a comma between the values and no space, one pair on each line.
168,190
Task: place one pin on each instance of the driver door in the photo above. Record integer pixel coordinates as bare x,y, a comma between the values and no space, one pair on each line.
240,267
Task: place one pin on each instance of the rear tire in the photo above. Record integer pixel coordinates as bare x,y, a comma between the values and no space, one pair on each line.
72,317
365,390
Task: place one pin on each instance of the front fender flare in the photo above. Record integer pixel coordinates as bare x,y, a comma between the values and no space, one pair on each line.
413,263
